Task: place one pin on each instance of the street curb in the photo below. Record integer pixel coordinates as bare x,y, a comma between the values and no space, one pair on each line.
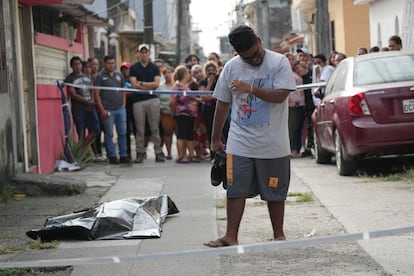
37,184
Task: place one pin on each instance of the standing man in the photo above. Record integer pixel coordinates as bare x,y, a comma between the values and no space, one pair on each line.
145,75
83,105
111,107
256,84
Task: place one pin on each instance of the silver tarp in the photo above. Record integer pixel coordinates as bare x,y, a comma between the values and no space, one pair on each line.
119,219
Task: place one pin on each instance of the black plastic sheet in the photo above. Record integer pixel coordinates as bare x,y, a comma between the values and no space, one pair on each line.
128,218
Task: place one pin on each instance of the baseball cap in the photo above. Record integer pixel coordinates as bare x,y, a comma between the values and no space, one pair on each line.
142,46
218,169
125,64
303,50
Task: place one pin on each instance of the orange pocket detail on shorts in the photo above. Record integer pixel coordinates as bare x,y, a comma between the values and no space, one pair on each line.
229,168
273,182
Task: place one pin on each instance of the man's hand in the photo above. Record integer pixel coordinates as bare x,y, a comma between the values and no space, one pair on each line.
240,86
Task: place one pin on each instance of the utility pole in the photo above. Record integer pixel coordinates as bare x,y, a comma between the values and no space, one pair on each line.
183,30
323,43
263,24
148,23
178,37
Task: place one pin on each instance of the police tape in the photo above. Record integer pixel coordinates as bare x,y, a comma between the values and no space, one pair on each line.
172,92
237,249
138,91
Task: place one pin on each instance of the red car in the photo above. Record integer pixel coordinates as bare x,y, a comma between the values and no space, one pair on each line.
366,110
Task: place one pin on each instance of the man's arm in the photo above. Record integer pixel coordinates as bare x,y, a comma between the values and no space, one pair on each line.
268,95
78,98
102,111
220,117
144,85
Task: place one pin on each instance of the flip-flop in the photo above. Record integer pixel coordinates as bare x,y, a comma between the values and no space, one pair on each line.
217,243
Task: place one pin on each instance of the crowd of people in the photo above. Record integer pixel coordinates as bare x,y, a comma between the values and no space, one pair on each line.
146,117
157,118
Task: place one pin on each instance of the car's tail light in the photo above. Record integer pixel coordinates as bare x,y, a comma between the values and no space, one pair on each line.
358,105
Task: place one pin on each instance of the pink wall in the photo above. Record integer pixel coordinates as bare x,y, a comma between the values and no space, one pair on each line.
49,126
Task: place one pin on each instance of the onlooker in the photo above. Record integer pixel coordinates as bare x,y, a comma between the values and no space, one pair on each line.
395,43
323,72
362,51
86,67
184,109
167,118
111,107
385,49
82,103
145,75
160,64
192,59
213,56
124,68
331,59
197,72
296,102
307,140
97,146
374,49
256,84
209,102
338,58
304,55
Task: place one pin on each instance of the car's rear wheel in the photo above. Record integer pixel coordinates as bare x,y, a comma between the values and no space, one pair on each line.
345,165
322,156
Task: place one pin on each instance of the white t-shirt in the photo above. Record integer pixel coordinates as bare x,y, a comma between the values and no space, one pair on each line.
258,129
326,73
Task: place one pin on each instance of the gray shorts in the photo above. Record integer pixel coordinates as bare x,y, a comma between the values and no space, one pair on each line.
248,177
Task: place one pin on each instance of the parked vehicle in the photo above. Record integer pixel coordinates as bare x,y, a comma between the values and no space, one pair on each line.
366,110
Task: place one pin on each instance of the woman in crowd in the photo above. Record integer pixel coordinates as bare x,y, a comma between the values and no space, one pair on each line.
184,109
209,102
166,117
296,102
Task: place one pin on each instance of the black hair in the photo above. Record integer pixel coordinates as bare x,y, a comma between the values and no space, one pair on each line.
374,49
242,38
321,57
73,59
396,39
193,86
106,58
190,56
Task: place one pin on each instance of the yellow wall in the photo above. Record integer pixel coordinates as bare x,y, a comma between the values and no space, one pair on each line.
351,25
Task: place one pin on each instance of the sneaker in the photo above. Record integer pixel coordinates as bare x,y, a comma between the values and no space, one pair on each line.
306,153
159,157
100,158
140,158
125,160
113,160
